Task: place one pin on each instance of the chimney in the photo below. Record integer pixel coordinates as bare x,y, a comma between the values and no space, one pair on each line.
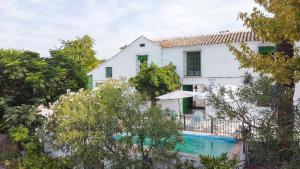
123,47
226,31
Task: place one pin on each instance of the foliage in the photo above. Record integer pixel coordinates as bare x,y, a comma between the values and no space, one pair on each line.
276,26
254,103
26,78
278,23
21,77
42,161
63,74
187,164
81,51
24,116
154,81
219,162
114,123
19,134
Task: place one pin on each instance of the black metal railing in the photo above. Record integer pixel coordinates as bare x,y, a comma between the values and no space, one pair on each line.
212,126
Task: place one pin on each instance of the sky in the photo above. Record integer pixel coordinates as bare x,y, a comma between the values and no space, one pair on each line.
40,25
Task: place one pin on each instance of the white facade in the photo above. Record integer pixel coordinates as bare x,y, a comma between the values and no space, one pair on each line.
218,65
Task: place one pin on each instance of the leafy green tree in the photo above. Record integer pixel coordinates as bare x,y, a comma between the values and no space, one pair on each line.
254,103
21,116
21,77
274,24
63,74
113,123
154,81
81,50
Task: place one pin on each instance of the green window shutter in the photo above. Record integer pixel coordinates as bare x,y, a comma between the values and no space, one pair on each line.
266,50
186,101
108,72
143,58
90,82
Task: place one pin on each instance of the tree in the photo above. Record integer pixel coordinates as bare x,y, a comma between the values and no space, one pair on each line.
63,74
154,81
113,123
21,77
283,29
254,104
81,50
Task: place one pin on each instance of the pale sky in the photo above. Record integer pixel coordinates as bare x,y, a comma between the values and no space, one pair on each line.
38,25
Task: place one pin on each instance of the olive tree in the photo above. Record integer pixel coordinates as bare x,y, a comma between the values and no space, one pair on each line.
113,123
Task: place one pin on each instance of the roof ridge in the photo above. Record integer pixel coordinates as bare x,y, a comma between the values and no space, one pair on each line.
199,35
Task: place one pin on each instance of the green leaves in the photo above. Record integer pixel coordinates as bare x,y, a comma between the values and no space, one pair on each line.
281,21
220,162
19,134
23,116
281,26
113,122
63,73
154,81
81,51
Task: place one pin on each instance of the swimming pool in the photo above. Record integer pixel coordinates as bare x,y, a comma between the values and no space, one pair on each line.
205,144
200,143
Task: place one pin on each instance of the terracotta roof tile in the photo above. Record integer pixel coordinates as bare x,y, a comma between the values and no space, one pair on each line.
229,37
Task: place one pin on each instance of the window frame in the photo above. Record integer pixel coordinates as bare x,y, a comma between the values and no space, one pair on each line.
139,63
192,69
107,73
271,49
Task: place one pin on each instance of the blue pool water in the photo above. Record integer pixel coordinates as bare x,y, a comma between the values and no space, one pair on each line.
205,144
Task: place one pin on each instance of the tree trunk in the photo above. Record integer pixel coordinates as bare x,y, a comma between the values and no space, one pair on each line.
285,109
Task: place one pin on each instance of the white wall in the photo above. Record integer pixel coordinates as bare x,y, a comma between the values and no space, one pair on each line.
124,64
218,65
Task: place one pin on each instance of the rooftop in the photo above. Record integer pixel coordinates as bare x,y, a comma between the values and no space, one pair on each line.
210,39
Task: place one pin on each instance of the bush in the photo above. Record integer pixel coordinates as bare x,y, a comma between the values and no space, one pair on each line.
42,161
219,162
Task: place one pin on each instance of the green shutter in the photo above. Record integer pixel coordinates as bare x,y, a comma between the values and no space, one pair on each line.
266,50
90,82
143,58
185,101
142,61
108,72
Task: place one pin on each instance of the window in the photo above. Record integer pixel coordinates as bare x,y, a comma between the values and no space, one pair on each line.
193,63
265,50
108,72
142,45
141,60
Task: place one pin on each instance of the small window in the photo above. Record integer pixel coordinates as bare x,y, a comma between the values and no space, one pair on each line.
142,45
108,72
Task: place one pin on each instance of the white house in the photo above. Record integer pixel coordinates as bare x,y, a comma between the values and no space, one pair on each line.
200,61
